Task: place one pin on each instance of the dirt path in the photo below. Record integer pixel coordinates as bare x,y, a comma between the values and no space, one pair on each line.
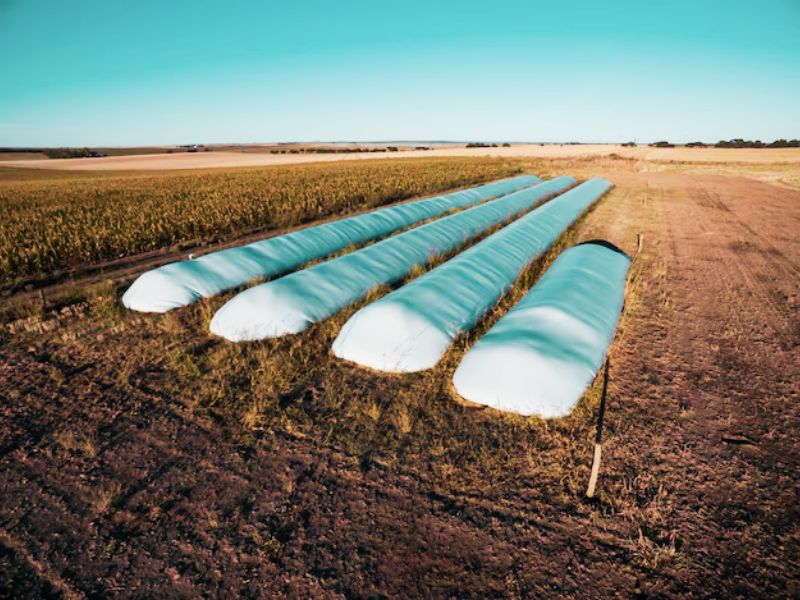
116,482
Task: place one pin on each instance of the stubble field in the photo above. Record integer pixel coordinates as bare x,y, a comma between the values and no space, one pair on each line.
259,156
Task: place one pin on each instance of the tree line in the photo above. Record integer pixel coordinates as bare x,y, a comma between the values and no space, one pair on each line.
734,143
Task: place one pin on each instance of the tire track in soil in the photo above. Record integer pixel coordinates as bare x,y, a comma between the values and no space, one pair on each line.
735,341
759,263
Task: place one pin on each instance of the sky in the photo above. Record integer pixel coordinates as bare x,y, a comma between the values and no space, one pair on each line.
108,72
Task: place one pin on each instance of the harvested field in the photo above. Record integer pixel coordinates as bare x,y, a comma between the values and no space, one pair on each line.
141,456
244,158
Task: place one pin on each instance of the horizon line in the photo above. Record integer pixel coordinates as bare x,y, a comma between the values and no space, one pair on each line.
20,148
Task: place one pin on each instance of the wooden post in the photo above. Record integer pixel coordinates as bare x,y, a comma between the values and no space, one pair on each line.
598,438
639,242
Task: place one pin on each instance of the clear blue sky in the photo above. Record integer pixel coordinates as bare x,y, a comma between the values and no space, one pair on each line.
94,72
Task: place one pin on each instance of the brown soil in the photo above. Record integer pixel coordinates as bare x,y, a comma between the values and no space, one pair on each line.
131,465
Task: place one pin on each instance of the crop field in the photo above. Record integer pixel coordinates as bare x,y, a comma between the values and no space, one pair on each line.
53,224
141,454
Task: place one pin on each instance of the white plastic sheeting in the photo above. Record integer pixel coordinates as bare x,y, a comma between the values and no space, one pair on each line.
290,304
181,283
543,354
411,328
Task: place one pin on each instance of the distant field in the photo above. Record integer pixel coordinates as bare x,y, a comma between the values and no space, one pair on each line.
245,156
722,155
23,156
50,223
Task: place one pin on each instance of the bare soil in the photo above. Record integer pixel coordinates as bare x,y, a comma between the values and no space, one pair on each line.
141,457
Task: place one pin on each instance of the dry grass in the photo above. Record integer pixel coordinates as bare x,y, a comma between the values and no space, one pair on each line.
106,496
77,441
